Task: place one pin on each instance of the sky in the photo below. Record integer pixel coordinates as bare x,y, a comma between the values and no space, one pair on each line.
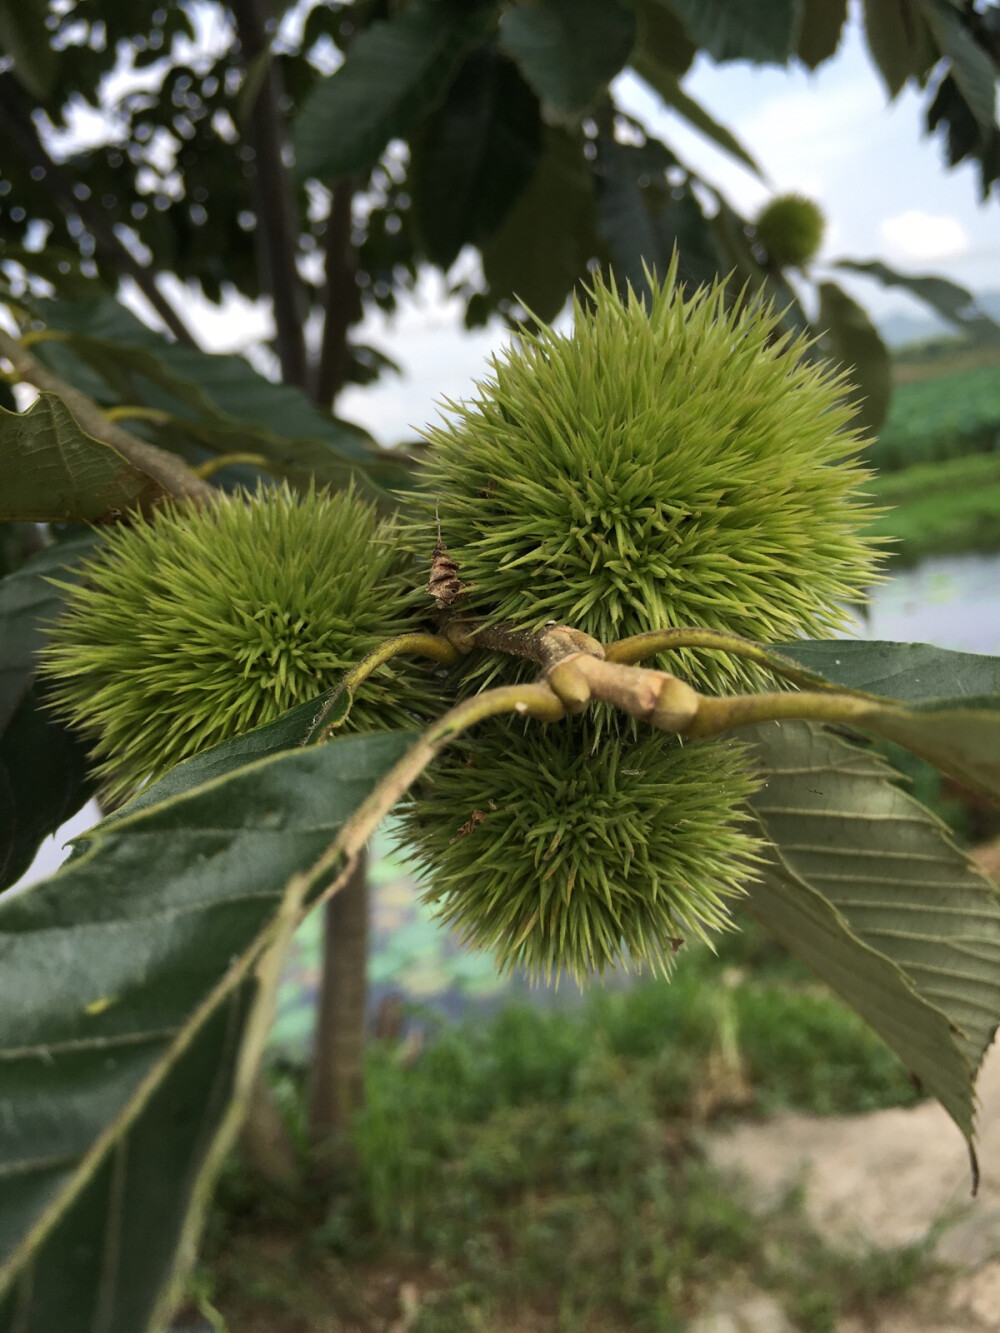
830,134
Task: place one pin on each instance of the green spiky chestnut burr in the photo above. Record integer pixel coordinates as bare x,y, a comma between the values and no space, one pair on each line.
667,463
791,228
670,462
558,849
205,623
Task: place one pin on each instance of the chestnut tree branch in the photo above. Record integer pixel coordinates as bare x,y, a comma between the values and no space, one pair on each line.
341,300
277,231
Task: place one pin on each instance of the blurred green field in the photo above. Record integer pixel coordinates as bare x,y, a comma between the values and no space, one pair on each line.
937,458
946,413
943,508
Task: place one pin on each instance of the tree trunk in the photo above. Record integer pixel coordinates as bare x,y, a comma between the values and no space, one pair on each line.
338,1071
265,1141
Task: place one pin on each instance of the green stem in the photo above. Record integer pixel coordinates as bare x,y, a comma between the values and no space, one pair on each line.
533,700
716,715
634,649
336,708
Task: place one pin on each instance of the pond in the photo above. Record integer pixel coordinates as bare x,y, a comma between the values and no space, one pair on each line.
952,601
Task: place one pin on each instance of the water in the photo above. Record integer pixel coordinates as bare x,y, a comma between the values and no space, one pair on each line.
951,601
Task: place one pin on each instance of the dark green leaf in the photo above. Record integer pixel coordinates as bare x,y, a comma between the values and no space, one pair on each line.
395,72
55,472
293,729
661,36
890,872
954,303
569,50
642,218
964,136
124,994
219,402
668,86
474,156
42,776
960,736
852,340
28,602
25,38
900,41
819,33
906,671
971,66
742,29
544,244
43,781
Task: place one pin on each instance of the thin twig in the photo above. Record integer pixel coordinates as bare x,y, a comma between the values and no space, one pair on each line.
171,472
335,709
650,644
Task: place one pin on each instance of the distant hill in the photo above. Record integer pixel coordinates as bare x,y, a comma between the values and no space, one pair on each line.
899,330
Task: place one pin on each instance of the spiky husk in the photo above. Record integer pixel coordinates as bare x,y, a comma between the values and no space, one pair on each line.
680,464
791,228
205,623
559,849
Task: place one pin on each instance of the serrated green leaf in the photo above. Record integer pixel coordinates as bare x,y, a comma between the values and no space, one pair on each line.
125,993
28,603
568,50
474,156
954,303
961,737
899,40
972,67
889,869
542,247
54,472
742,29
42,777
905,671
218,401
293,729
820,29
395,72
667,84
852,340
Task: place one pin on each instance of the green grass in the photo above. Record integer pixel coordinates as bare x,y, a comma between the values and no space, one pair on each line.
941,508
940,417
540,1170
